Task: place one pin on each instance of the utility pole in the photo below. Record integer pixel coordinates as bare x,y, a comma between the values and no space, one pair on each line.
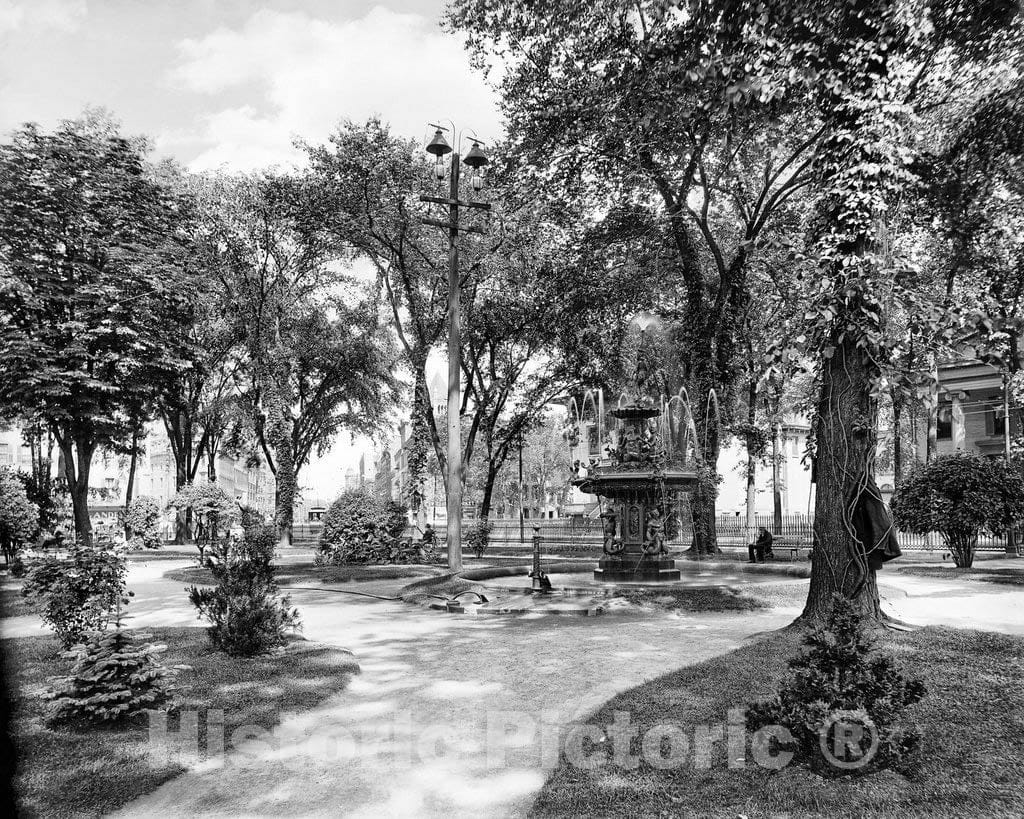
1011,535
522,532
475,159
776,479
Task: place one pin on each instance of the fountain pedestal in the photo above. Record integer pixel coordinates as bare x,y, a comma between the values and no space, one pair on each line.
638,486
643,472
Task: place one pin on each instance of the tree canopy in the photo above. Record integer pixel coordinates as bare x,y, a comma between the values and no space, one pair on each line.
90,291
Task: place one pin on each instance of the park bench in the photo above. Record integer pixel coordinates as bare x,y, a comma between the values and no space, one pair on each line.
782,542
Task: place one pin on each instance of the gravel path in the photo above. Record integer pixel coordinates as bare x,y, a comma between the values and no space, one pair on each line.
410,736
460,716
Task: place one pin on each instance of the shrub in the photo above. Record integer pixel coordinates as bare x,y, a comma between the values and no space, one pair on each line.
213,509
838,678
142,521
959,495
478,536
78,593
360,527
246,613
19,517
112,680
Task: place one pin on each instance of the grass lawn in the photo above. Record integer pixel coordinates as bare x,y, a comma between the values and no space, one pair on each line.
12,604
710,598
178,553
972,721
63,772
1004,576
297,574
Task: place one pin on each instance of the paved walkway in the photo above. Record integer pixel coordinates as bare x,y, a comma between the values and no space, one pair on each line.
409,737
953,601
459,716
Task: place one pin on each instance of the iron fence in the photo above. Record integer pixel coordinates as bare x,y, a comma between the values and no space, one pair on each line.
584,533
792,531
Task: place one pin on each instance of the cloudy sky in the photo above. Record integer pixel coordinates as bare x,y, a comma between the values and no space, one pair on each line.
230,83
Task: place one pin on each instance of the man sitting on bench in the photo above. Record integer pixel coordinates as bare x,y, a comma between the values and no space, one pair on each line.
762,546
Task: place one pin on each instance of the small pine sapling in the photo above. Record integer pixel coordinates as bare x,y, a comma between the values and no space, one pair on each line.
839,679
114,679
247,614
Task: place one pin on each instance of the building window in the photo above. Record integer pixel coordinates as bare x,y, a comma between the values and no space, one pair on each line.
944,422
995,421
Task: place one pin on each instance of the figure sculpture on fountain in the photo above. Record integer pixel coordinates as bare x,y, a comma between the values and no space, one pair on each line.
654,542
612,542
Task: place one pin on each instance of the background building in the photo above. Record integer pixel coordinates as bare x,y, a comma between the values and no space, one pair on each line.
969,411
249,485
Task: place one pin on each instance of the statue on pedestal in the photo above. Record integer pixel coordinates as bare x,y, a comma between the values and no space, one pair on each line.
654,540
612,542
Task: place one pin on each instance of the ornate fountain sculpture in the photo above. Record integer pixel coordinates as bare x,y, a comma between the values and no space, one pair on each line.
640,480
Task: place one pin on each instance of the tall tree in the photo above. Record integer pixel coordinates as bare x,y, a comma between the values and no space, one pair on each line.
872,66
661,106
317,359
524,304
196,407
90,292
360,193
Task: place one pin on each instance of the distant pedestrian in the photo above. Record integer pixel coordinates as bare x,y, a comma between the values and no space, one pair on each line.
429,536
761,547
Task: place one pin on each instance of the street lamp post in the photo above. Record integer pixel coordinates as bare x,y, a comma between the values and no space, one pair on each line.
1011,534
475,159
522,535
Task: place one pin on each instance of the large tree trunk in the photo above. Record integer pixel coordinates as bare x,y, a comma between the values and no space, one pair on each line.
488,493
211,461
77,456
130,487
284,494
897,439
182,522
846,422
178,425
751,523
702,499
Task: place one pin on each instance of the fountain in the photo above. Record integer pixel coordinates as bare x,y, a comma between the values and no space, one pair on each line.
645,468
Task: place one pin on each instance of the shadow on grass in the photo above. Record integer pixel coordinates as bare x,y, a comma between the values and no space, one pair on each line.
12,604
292,573
970,720
710,598
64,772
1006,577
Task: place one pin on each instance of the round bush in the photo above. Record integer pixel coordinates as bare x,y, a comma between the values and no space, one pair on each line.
143,523
19,517
361,527
960,495
78,593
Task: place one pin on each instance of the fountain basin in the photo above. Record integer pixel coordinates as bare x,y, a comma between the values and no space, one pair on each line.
620,484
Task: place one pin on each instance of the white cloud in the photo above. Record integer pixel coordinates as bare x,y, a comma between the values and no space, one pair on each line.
238,139
314,72
21,16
